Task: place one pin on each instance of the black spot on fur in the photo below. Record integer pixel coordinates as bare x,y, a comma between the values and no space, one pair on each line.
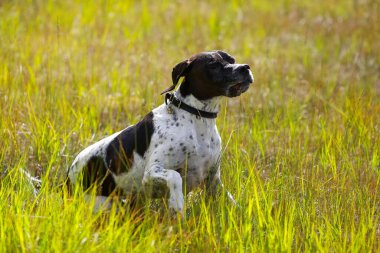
95,174
119,153
177,124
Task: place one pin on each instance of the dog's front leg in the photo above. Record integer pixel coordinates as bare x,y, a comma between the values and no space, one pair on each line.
214,185
156,177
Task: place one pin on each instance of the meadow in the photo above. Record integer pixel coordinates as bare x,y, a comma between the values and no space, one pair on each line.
301,148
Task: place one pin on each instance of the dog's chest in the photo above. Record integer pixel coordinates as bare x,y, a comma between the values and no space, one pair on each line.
185,143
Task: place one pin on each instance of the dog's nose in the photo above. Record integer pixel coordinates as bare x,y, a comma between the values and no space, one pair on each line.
243,68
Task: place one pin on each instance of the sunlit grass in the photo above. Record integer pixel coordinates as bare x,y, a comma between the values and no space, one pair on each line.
302,148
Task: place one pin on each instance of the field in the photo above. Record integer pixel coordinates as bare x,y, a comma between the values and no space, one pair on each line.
301,147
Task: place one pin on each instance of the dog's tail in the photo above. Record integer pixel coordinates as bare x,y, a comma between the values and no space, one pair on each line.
34,182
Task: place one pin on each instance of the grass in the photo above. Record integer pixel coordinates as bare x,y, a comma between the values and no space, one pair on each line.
302,146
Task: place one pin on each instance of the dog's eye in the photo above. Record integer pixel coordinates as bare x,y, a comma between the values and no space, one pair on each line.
214,64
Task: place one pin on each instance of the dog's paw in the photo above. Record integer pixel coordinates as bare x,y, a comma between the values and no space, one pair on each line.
176,203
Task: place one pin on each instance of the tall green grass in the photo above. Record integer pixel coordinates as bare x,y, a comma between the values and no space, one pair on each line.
302,148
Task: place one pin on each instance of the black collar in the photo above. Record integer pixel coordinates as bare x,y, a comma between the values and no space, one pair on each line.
171,99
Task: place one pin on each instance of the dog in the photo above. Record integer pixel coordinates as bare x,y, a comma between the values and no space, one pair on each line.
176,147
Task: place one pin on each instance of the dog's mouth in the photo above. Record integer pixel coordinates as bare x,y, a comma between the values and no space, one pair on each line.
239,88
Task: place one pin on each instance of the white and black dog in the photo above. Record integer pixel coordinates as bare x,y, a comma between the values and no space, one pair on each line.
175,147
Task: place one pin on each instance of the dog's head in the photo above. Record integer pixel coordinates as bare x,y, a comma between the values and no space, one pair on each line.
211,74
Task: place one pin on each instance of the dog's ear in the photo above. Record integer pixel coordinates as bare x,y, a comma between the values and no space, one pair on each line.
179,70
226,57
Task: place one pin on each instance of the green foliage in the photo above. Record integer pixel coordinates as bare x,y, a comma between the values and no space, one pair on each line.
302,148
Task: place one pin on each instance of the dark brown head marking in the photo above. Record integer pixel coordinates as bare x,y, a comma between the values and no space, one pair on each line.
211,74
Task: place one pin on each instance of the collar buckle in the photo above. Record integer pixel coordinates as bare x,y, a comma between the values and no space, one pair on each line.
169,98
168,101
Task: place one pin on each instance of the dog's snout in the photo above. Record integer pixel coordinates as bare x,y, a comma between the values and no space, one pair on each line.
246,66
